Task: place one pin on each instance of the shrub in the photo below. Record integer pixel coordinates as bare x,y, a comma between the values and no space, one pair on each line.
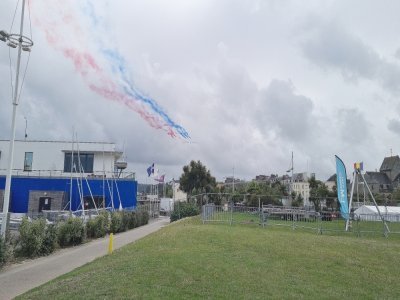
50,240
144,218
2,250
71,232
98,226
31,237
125,216
183,210
116,222
133,221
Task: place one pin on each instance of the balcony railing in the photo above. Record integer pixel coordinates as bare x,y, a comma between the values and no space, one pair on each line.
61,173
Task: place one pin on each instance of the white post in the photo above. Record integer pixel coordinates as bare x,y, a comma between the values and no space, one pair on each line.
376,204
7,190
351,200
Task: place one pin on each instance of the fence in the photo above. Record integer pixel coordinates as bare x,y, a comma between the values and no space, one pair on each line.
297,218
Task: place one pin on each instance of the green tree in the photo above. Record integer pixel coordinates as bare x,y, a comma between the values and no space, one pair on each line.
318,192
298,202
196,179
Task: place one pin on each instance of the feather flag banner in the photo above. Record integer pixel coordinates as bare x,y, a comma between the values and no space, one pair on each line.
341,184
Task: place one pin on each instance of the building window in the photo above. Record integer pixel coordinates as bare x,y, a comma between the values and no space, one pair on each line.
28,161
85,160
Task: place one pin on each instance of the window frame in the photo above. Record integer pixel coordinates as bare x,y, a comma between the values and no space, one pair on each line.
86,159
28,164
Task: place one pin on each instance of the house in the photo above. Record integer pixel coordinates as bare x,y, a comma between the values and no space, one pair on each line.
391,167
331,183
62,175
378,182
301,186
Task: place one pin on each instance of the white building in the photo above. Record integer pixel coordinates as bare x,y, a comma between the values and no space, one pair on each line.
301,186
53,158
178,194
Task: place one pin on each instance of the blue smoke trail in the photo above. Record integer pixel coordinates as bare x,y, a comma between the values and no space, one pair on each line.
131,90
118,66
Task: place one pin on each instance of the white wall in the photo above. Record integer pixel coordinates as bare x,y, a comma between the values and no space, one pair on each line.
48,156
179,195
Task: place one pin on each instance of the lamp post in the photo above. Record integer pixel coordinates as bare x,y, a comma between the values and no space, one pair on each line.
23,43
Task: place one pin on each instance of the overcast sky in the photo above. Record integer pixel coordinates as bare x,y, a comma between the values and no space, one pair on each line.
250,81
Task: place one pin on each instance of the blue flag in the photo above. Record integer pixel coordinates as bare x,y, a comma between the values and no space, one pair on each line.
341,185
150,170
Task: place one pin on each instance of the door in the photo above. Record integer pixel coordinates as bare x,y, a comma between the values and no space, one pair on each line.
44,203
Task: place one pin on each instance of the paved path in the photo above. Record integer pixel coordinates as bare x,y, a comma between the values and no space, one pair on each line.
20,278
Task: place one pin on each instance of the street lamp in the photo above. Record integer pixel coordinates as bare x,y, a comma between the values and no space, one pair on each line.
23,43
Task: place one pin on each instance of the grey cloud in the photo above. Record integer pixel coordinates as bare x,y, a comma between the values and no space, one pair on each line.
331,46
354,128
394,126
397,54
282,110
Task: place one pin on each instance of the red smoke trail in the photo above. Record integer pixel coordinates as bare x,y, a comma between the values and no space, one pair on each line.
60,17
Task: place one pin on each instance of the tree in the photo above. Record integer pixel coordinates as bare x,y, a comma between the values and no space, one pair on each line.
298,202
318,192
196,179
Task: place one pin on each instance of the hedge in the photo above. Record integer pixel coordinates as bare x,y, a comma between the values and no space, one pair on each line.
71,232
35,238
183,210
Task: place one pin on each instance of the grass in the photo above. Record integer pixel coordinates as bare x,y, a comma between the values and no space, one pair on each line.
189,260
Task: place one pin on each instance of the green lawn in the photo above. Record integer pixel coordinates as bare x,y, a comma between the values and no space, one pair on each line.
189,260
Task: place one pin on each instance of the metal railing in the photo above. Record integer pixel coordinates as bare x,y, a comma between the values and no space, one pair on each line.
61,173
296,218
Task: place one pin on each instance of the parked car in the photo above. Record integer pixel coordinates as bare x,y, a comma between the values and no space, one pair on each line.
328,215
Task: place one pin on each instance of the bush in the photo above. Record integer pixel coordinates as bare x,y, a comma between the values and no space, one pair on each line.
2,251
50,240
71,232
116,222
144,218
35,238
31,237
133,221
183,210
98,226
125,216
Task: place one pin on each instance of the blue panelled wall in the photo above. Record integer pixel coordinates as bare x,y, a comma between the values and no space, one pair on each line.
118,190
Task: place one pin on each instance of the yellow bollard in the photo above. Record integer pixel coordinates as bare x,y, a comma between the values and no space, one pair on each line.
110,244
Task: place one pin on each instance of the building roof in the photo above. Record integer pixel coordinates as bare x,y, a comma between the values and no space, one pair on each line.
332,178
389,163
376,178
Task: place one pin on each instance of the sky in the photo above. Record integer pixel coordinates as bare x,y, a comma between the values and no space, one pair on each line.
238,85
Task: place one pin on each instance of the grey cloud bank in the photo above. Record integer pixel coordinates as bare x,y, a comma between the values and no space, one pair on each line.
250,81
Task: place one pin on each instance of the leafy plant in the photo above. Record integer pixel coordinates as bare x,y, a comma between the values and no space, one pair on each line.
2,250
183,210
116,222
98,226
49,243
71,232
31,237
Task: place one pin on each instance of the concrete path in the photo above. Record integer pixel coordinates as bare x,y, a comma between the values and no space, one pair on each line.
20,278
